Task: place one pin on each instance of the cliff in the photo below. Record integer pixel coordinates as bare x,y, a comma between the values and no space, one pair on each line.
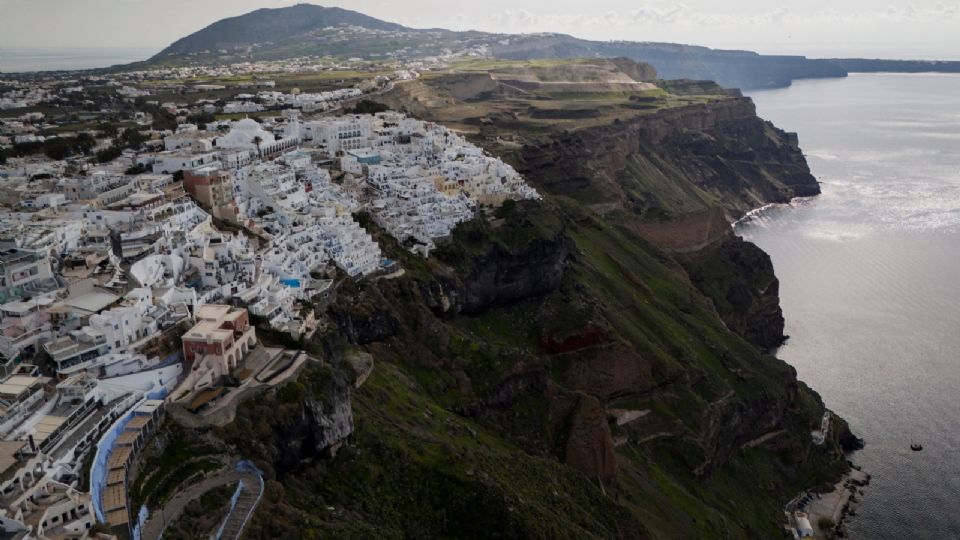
563,407
738,277
589,365
730,68
676,161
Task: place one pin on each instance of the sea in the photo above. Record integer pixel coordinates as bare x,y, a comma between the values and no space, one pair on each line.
870,282
50,59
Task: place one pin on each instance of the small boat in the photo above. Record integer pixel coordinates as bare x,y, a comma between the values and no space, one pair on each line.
916,447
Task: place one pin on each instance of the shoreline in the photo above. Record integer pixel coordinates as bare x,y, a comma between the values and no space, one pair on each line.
759,211
834,506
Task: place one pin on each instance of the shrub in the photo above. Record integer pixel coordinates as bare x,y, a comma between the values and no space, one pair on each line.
136,169
368,107
292,392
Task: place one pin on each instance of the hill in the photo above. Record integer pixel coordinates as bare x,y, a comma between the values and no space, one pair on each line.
311,30
271,26
590,365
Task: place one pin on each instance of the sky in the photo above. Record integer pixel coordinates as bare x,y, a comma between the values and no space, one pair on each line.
817,28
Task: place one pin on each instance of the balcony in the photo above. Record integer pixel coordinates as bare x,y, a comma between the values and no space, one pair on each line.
69,347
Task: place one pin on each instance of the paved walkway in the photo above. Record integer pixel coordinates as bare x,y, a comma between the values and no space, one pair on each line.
163,516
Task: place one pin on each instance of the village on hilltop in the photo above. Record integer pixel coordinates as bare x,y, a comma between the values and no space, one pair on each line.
143,242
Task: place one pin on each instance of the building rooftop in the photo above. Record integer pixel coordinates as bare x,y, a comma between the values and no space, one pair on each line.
118,517
212,312
13,256
8,454
46,427
149,407
117,476
208,330
92,302
114,498
119,457
137,423
15,386
127,438
25,306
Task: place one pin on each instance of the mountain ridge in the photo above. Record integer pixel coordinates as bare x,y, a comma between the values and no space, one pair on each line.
237,30
312,30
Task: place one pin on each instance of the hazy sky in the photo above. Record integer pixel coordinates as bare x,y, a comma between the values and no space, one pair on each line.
923,28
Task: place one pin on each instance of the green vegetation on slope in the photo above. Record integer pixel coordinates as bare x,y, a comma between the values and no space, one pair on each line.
413,469
201,517
429,443
548,373
182,455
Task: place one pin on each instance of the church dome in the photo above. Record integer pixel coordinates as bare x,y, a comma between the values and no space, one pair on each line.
242,134
246,124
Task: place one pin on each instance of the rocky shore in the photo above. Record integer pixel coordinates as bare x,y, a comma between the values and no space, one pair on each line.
829,513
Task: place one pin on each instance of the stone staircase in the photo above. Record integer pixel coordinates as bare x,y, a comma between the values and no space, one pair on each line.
250,491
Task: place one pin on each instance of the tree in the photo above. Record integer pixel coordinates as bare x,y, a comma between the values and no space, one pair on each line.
84,143
58,148
133,139
107,130
201,118
108,154
257,140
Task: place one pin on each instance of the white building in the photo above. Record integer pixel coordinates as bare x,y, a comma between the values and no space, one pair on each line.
249,135
171,162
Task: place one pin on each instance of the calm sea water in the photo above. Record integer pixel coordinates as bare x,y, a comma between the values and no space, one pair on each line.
47,59
870,282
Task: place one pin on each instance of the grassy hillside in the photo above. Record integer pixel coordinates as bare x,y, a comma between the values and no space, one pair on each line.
477,426
555,369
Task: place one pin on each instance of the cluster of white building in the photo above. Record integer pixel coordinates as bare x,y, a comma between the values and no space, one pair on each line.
294,184
309,101
19,98
122,281
102,272
423,179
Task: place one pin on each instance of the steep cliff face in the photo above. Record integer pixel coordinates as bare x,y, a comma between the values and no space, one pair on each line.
676,161
617,368
299,421
589,444
586,366
499,266
738,277
328,412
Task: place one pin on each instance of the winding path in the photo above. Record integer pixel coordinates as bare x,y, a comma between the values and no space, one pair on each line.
167,513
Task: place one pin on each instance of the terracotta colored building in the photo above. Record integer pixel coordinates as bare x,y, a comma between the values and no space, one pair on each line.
222,334
213,189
